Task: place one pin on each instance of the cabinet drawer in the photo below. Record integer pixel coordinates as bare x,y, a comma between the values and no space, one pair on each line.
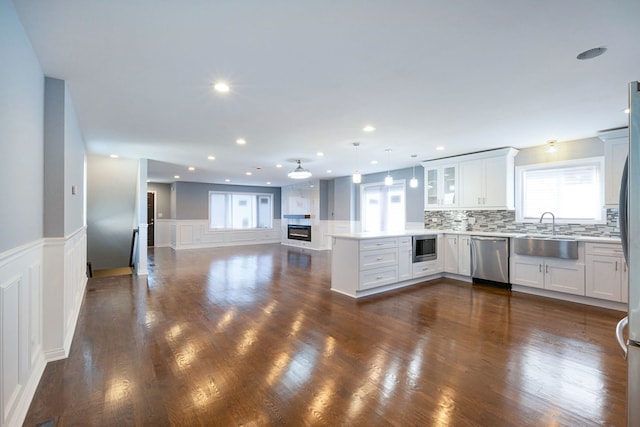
371,244
378,258
378,277
404,242
426,268
606,249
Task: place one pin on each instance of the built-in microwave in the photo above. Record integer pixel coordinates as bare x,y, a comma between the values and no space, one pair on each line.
425,248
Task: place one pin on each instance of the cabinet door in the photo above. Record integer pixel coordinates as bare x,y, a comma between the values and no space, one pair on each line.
495,177
464,255
471,183
603,277
527,271
405,261
564,276
451,253
449,189
431,187
615,153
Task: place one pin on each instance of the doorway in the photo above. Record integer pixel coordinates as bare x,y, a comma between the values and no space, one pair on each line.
151,215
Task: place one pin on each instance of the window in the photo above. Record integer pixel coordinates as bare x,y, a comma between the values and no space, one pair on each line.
573,191
383,207
240,210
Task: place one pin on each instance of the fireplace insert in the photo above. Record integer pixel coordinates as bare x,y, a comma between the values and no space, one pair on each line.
299,232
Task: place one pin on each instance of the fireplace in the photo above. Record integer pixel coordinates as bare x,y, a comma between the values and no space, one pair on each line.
299,232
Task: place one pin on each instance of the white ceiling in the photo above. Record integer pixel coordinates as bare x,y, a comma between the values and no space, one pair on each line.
306,76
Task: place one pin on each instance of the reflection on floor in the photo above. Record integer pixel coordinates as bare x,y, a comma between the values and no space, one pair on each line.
109,272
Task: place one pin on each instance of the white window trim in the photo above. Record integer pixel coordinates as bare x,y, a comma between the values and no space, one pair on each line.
550,165
244,194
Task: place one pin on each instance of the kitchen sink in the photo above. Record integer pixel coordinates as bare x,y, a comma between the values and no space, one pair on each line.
546,246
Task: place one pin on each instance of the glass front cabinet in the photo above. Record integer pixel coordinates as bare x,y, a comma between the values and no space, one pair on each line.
441,185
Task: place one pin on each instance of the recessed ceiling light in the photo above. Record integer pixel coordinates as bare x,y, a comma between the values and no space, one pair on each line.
329,171
278,165
221,87
211,157
440,148
176,176
240,141
319,154
248,173
368,128
627,110
268,182
191,168
591,53
227,180
114,156
374,162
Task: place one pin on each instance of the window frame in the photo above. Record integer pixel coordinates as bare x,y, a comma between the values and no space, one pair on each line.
229,208
519,189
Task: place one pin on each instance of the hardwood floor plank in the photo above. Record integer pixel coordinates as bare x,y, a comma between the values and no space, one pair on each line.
254,336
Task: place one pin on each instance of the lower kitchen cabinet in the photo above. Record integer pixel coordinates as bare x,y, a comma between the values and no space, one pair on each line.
405,258
607,272
554,274
457,254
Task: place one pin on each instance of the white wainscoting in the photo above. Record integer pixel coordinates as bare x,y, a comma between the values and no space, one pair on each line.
191,234
42,287
162,229
21,356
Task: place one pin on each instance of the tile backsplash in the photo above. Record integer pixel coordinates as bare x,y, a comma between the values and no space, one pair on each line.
504,222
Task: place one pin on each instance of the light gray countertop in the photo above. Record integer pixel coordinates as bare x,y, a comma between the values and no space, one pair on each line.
422,232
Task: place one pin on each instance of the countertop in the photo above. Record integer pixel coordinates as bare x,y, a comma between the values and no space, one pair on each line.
421,232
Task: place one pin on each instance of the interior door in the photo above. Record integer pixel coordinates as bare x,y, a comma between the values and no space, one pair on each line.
151,210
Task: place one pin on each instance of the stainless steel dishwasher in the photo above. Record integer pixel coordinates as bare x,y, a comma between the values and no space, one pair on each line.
490,259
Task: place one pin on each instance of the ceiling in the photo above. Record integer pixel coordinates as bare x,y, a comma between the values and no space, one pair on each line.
307,76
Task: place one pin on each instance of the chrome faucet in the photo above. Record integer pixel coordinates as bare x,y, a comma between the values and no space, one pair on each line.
553,220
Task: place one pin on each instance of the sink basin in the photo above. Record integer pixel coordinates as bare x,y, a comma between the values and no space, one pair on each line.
546,246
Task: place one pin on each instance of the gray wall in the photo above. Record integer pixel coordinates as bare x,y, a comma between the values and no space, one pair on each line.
579,149
324,200
64,153
21,134
163,199
192,198
346,196
111,200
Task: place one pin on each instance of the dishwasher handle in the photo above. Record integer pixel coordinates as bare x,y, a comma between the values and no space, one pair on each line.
492,239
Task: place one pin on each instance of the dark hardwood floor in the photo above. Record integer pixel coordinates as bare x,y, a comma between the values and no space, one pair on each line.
253,336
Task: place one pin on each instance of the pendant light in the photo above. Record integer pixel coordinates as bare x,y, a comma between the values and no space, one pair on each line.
299,172
388,180
413,183
356,178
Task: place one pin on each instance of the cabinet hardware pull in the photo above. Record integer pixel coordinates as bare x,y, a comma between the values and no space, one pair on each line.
539,268
379,259
479,201
546,269
616,266
379,278
484,200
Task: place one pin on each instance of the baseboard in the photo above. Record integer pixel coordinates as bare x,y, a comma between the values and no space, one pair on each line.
29,390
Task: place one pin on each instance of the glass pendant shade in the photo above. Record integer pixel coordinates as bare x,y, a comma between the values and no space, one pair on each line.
299,172
356,177
413,183
388,180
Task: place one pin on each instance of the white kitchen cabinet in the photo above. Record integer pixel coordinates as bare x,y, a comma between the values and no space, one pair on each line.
554,274
441,185
457,254
615,153
487,180
405,258
607,272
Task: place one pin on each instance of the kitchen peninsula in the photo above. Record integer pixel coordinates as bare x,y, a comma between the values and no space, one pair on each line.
369,263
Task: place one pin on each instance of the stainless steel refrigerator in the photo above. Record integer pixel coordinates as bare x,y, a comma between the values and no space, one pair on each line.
630,234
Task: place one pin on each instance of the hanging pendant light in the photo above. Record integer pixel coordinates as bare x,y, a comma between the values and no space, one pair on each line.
299,172
388,180
413,183
356,178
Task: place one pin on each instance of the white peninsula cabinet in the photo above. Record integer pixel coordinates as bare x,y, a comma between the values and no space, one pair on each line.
362,265
457,254
554,274
607,272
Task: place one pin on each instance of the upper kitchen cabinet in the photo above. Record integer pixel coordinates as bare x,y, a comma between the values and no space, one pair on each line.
616,148
487,179
441,185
